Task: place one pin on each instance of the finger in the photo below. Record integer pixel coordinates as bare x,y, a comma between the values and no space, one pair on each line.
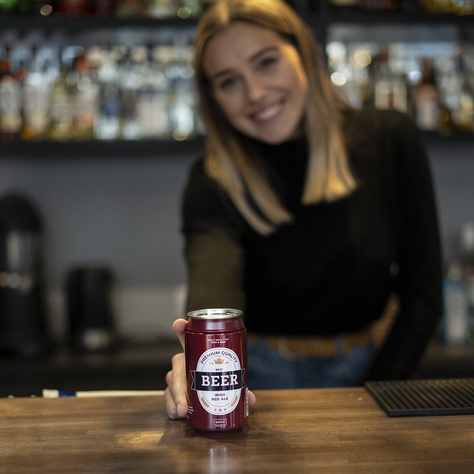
176,402
173,409
179,327
251,397
170,405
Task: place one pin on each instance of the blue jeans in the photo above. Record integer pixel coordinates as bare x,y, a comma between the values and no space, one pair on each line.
271,369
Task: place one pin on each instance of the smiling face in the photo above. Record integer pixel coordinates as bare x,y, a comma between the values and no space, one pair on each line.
257,79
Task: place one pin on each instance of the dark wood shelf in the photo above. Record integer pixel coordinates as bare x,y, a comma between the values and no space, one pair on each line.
98,149
105,150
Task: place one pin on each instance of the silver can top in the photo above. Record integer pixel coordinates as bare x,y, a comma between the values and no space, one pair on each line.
215,313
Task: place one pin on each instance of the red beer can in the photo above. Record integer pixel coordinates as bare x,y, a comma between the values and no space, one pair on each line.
216,371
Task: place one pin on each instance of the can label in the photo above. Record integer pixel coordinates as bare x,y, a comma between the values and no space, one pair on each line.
218,380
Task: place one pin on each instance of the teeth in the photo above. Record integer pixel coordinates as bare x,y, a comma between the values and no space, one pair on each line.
268,113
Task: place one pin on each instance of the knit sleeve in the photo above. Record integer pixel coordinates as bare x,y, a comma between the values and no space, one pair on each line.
419,278
213,245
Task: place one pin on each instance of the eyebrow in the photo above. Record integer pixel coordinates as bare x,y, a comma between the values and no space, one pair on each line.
251,59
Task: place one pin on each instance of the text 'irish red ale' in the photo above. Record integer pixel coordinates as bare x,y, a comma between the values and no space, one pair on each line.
216,370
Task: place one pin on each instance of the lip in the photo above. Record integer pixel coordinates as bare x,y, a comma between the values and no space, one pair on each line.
268,112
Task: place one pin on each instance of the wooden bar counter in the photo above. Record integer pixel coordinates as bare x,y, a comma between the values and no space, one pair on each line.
289,431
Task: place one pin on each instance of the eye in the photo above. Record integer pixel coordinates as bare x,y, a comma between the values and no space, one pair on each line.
268,61
227,83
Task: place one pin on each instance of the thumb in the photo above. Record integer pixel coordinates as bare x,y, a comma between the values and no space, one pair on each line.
179,327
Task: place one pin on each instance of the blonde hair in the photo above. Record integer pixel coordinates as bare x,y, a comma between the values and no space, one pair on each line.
227,160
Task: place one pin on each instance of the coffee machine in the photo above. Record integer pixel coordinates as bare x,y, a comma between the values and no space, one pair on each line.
90,308
23,328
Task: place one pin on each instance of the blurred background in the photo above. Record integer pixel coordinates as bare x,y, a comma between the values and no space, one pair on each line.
99,124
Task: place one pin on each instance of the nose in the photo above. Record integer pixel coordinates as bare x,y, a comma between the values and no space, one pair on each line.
255,89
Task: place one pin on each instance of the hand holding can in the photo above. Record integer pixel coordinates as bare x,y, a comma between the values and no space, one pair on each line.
175,394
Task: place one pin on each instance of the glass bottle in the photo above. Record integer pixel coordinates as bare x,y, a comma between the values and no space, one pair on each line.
107,125
390,84
131,73
85,98
61,109
463,115
426,99
152,99
182,99
10,99
37,90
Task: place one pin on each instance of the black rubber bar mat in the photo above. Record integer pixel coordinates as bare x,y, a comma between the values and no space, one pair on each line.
424,397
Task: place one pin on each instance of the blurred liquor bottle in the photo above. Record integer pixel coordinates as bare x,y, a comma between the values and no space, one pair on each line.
107,125
61,111
426,100
37,94
153,95
10,99
130,79
463,94
83,97
182,96
390,88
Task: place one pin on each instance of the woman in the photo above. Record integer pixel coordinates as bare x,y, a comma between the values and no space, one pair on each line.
304,213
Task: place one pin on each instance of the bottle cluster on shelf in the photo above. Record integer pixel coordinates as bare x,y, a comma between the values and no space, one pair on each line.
104,8
432,81
98,92
458,7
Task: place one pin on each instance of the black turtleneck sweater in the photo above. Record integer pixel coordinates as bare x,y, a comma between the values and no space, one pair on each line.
333,269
